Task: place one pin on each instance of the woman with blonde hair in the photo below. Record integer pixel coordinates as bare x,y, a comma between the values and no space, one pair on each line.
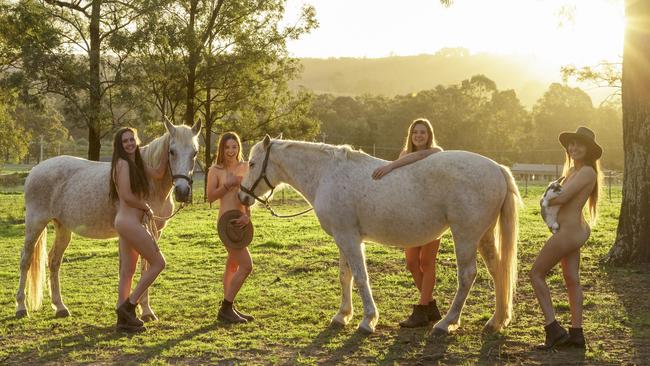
224,177
420,260
581,186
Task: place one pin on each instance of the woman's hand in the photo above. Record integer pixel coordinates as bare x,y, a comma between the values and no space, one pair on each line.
242,221
149,212
380,172
232,181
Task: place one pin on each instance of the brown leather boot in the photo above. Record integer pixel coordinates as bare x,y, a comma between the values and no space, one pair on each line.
123,325
418,317
555,336
432,311
576,338
248,317
227,314
126,315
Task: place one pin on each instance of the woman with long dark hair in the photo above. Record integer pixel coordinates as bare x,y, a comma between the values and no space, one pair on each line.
129,186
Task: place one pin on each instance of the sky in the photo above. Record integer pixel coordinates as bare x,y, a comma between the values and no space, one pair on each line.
557,32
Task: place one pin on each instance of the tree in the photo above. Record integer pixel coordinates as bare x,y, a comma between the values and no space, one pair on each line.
14,140
632,244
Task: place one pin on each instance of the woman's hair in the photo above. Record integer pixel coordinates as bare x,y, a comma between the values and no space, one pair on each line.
569,164
220,156
137,174
431,140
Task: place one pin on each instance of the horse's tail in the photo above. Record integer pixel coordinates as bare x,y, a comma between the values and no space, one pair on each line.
506,278
36,273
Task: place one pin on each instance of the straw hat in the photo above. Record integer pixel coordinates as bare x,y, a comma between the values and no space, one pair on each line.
585,136
233,236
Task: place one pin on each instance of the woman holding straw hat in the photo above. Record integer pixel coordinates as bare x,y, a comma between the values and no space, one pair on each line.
234,225
581,186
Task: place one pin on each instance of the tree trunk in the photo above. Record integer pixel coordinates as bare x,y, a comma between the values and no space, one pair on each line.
94,122
192,63
632,243
208,145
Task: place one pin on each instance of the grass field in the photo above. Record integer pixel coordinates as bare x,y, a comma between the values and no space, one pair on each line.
294,291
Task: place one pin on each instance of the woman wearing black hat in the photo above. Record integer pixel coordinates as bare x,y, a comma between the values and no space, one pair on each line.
582,172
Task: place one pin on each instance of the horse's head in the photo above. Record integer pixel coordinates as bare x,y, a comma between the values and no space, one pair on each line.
262,176
183,147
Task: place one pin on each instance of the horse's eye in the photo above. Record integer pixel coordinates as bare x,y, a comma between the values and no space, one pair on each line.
250,165
194,155
171,152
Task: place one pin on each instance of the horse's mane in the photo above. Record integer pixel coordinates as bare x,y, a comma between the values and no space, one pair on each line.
340,152
152,152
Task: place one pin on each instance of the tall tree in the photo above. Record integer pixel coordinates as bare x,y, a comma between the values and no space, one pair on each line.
633,234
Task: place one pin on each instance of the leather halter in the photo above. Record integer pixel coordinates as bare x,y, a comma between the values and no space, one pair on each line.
261,177
265,201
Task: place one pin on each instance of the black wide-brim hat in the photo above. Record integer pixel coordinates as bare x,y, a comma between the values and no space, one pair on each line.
585,136
233,236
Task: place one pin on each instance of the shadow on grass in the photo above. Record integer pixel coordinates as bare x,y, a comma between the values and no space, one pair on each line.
417,346
632,286
316,347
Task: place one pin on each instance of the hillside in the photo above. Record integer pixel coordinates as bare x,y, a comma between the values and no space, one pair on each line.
395,75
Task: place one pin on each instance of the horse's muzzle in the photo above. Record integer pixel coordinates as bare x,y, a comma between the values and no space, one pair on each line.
183,193
245,199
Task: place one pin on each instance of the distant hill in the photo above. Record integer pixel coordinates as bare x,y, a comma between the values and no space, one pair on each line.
395,75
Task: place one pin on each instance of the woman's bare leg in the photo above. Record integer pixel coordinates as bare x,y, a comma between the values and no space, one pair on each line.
128,263
413,265
245,266
428,254
571,271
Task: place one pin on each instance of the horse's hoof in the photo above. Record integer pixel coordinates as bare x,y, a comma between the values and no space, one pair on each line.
439,332
341,320
63,313
149,318
366,329
21,313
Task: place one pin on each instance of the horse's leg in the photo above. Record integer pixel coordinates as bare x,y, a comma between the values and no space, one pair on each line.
35,238
61,241
488,250
466,262
346,311
353,248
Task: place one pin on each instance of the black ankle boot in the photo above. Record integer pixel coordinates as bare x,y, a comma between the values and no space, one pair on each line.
227,314
248,317
432,311
576,338
126,315
555,336
418,317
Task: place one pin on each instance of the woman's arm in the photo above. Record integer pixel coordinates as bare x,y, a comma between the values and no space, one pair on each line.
586,175
214,188
159,172
124,187
404,159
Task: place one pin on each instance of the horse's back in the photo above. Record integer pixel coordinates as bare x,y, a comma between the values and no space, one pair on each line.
443,189
73,191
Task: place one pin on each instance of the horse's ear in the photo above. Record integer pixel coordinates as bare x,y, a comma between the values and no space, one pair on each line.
197,127
169,126
266,141
279,137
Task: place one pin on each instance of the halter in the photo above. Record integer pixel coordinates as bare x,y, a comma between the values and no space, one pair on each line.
265,201
181,176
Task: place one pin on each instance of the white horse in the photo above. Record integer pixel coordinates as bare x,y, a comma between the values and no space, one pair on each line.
474,196
73,194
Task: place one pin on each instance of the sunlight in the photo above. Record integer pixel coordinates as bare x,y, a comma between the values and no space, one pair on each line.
555,31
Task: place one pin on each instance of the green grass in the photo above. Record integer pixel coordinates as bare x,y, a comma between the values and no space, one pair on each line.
293,293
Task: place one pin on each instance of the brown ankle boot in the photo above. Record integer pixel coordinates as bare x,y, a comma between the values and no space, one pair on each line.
227,314
248,317
123,325
126,315
432,311
576,338
418,317
555,336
